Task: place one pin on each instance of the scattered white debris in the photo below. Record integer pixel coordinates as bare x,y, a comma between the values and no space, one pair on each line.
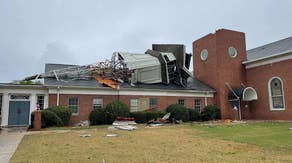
82,123
126,127
85,135
123,123
290,128
166,116
155,125
111,135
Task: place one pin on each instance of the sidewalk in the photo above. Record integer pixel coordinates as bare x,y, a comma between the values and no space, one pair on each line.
9,141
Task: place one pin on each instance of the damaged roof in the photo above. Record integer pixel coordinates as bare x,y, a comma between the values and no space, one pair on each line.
193,84
275,48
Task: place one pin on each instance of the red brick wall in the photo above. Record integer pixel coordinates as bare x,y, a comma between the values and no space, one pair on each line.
219,67
258,78
86,102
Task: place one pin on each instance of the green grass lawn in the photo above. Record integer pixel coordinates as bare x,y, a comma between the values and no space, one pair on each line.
253,142
274,135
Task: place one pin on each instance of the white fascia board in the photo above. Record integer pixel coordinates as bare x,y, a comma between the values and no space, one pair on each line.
185,93
16,86
23,91
268,60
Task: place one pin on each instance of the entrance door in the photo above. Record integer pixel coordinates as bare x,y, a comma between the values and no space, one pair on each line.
18,113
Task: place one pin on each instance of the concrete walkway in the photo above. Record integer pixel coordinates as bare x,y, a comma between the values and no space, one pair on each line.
9,141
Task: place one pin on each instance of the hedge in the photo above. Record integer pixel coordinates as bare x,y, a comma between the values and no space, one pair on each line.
64,113
194,115
116,109
143,117
50,119
97,117
210,112
178,112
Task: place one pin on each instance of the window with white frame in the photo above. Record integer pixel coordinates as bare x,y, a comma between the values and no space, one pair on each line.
73,104
152,102
134,105
97,103
276,94
40,101
181,101
198,105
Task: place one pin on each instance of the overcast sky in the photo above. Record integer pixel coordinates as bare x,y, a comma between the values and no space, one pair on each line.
34,32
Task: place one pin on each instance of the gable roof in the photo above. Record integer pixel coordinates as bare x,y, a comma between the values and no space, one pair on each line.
192,84
269,50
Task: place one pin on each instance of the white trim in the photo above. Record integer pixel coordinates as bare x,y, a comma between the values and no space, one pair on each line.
31,91
229,52
185,93
270,95
201,54
24,94
267,60
254,91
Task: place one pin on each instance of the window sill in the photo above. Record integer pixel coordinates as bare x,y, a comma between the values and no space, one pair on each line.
277,110
75,114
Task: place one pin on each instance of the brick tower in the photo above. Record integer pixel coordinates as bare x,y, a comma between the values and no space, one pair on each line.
218,62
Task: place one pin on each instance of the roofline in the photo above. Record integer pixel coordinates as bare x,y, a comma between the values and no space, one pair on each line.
137,89
267,57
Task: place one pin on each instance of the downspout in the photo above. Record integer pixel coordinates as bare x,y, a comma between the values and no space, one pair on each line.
58,95
206,100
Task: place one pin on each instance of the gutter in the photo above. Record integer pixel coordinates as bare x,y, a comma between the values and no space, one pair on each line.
135,89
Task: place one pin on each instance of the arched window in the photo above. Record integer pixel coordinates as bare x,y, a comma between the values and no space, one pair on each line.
276,94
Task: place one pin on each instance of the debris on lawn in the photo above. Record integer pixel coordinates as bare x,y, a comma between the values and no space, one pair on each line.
125,123
111,132
290,128
111,135
159,122
85,135
178,121
122,121
155,125
82,123
127,127
166,117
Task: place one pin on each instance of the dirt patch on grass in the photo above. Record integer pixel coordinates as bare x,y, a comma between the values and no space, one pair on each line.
166,144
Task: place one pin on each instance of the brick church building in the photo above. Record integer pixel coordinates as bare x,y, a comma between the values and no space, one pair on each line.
256,81
244,84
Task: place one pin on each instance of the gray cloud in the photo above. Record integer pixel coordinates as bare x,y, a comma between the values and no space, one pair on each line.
33,32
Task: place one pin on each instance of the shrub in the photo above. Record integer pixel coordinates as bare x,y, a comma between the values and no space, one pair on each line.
143,117
116,109
210,112
64,113
140,117
178,112
194,115
50,119
97,117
